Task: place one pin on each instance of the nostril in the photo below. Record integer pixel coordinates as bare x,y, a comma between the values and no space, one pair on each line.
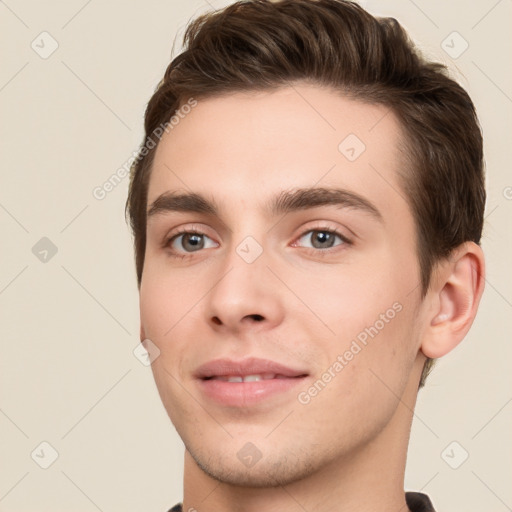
258,318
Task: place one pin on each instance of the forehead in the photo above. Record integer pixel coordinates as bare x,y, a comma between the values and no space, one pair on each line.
244,147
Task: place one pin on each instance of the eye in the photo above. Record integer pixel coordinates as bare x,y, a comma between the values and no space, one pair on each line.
321,239
190,241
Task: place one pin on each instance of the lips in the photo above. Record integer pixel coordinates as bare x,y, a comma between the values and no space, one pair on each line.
248,382
247,378
251,367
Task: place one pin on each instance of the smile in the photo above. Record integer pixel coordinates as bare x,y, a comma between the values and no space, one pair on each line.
247,382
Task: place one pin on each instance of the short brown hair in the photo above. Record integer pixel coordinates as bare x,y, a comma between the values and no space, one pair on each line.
262,45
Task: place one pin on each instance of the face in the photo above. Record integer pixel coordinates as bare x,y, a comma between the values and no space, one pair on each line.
281,281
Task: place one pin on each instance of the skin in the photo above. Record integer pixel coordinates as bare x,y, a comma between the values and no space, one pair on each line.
240,150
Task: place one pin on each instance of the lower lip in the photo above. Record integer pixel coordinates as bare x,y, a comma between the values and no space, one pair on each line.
242,394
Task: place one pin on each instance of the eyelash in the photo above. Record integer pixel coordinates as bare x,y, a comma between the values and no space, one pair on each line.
317,252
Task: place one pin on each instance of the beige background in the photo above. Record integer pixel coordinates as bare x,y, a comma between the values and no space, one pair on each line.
68,375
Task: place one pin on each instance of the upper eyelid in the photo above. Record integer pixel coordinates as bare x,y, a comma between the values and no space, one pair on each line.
193,228
202,231
225,229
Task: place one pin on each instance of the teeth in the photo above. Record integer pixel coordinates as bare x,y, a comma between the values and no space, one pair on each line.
246,378
252,378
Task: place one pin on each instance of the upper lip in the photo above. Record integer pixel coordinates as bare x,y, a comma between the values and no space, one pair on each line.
244,367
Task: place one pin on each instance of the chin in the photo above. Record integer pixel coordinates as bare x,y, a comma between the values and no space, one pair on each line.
273,471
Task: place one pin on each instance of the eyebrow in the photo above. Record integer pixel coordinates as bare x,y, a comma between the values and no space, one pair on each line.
285,202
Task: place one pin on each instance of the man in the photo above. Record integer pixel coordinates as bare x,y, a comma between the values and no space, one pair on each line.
307,207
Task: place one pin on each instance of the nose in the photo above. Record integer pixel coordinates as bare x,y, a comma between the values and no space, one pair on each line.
246,296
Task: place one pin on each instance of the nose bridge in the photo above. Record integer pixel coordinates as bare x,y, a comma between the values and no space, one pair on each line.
244,288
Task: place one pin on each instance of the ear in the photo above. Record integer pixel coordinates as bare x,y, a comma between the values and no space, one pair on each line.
455,292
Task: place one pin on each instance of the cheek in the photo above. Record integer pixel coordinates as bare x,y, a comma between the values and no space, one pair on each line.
350,297
165,310
365,366
170,314
165,299
156,305
367,308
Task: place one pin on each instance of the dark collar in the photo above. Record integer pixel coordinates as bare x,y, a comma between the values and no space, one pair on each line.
418,502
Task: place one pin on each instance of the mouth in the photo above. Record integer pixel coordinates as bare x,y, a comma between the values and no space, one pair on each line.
249,378
247,382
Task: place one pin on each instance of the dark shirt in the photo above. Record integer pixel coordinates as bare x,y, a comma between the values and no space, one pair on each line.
416,501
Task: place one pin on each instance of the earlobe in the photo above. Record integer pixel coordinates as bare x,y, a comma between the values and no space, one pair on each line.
142,332
458,286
